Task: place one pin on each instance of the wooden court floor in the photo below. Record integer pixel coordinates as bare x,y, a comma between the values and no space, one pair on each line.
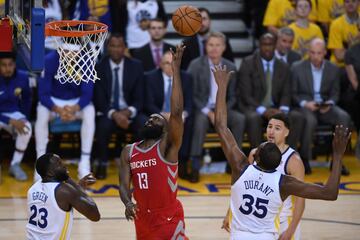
205,204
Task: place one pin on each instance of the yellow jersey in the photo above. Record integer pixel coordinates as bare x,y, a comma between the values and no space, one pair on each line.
280,13
303,37
329,10
342,35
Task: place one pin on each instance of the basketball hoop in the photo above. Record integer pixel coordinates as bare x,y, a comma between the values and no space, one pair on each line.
78,44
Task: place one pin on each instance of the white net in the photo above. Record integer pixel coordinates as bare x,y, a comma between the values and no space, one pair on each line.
78,54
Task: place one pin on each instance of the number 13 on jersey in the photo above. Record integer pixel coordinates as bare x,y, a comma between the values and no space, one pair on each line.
143,180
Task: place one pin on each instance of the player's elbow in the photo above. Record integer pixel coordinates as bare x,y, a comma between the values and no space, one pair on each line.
95,217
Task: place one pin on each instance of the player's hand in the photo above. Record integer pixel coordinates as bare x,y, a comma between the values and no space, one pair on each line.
130,211
286,235
19,126
340,140
87,181
226,224
221,75
177,56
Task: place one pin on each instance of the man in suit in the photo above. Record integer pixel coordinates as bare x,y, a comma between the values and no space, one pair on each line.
158,84
283,51
118,98
315,91
151,53
264,89
204,94
196,44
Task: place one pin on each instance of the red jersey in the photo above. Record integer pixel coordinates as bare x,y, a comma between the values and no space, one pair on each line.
154,179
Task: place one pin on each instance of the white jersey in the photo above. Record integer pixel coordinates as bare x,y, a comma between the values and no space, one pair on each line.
286,210
255,202
135,36
285,216
46,219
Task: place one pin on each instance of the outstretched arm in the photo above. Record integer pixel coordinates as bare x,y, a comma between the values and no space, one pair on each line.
292,186
234,155
124,188
176,124
70,194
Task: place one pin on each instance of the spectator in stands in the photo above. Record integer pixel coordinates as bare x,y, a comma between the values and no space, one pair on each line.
66,102
253,14
315,91
92,10
304,30
158,91
118,98
53,12
151,53
329,10
15,104
350,99
131,19
283,51
263,90
204,94
196,44
344,32
280,13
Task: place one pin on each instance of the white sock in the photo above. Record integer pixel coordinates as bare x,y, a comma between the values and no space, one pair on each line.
17,157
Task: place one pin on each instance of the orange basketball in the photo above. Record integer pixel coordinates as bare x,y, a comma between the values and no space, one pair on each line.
186,20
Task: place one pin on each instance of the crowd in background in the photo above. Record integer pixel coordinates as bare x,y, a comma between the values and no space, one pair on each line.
305,65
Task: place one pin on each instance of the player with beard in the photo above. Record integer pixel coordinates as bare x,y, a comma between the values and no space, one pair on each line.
52,199
151,165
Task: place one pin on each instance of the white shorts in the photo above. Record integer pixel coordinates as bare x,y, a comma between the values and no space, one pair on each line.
240,235
12,115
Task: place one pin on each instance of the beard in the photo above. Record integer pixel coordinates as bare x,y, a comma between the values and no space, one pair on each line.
61,176
153,132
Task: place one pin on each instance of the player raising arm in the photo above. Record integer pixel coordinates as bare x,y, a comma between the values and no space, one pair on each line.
258,191
151,165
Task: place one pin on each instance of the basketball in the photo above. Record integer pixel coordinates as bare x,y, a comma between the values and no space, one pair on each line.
186,20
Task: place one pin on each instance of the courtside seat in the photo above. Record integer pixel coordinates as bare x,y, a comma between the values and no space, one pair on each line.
58,126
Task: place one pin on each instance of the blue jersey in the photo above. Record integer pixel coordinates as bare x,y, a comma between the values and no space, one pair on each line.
15,95
50,87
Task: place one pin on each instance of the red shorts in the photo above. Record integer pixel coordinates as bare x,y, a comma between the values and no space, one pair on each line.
161,224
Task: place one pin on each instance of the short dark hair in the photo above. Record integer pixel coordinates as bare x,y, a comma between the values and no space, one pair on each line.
43,163
269,156
10,54
115,35
281,117
202,9
157,19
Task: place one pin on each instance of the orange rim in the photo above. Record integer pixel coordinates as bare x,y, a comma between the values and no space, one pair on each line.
50,28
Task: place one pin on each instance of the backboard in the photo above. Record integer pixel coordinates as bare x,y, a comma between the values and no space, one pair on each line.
28,18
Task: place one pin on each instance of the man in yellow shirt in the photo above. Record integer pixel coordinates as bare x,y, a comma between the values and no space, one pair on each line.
304,30
329,10
344,32
280,13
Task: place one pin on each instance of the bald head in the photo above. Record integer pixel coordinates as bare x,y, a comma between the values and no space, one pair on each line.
317,52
